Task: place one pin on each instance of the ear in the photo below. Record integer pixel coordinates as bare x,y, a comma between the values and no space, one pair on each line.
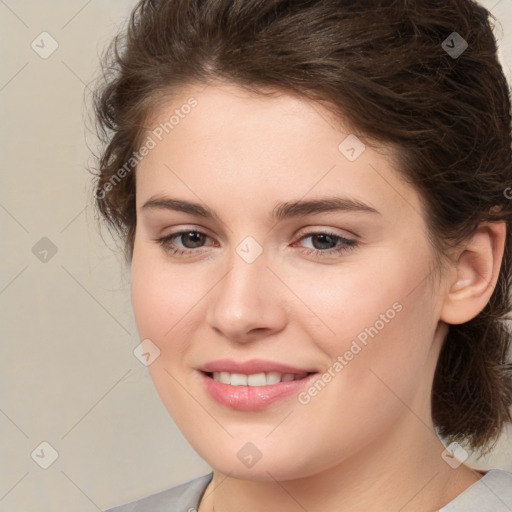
474,277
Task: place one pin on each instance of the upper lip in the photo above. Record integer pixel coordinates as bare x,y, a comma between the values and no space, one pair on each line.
251,366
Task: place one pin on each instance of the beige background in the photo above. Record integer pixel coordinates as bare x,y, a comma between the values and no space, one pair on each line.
69,376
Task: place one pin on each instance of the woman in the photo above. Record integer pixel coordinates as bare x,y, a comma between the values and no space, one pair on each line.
313,200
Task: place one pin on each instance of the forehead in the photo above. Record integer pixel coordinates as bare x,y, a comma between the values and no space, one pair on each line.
224,139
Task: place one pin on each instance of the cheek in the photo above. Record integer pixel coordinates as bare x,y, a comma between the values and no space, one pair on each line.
163,303
380,365
381,325
163,298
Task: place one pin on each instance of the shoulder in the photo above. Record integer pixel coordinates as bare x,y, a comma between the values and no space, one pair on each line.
180,498
492,493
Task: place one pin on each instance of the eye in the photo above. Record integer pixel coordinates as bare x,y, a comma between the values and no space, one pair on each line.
190,239
327,244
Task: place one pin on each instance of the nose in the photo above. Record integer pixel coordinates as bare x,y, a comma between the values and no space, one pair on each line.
248,302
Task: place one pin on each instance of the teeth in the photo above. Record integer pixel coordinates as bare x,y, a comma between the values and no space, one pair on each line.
273,377
256,379
238,379
224,377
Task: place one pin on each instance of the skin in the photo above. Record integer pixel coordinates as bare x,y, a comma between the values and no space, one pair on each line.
366,441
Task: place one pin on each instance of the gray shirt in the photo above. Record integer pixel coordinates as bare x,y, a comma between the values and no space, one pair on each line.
492,493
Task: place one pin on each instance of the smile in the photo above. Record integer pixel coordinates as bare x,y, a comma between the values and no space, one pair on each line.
255,391
255,379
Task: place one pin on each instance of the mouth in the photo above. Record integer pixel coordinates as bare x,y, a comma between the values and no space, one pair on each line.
254,391
255,379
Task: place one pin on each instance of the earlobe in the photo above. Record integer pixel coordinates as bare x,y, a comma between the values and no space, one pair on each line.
475,275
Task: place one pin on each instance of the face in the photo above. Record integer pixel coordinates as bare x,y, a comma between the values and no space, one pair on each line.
305,254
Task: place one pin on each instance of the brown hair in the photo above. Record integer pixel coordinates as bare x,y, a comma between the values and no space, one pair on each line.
389,68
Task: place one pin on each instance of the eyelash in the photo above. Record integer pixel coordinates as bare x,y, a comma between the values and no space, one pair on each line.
345,244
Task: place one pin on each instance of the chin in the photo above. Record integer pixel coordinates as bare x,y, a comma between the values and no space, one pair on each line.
235,460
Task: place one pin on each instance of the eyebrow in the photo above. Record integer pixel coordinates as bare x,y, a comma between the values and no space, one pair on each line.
282,210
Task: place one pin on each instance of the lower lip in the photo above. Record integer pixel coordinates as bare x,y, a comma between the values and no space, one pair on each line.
252,398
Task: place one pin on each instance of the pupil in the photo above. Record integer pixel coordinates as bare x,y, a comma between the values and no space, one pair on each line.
194,237
323,238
